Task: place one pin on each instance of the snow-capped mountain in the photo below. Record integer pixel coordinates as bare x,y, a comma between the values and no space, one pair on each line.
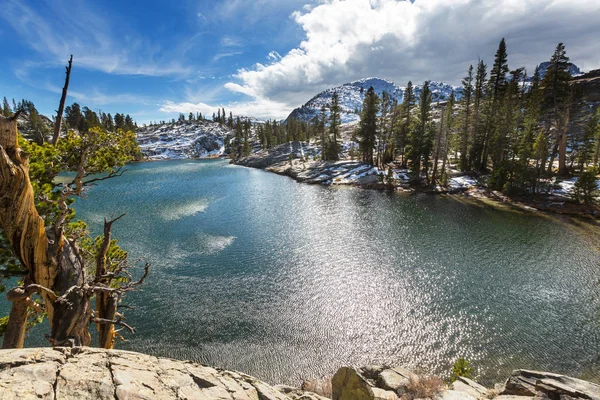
352,94
188,139
573,69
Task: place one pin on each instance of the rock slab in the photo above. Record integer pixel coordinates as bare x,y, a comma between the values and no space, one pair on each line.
87,373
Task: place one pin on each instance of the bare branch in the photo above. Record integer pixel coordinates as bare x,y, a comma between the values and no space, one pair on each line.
113,322
34,306
112,174
17,115
125,306
146,270
63,298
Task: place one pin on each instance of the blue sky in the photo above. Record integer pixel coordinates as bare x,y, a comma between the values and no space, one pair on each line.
154,59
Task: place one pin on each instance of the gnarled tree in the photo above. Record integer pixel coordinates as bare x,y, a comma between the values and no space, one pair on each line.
54,261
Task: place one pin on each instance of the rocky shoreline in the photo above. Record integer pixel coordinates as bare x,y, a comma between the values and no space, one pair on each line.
88,373
293,160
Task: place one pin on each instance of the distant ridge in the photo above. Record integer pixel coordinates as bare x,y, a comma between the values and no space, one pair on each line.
352,95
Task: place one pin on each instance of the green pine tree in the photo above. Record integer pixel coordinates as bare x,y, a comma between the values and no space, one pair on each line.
420,137
467,86
368,125
6,111
334,128
405,120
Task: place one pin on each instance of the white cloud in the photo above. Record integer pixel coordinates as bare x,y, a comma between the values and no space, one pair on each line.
274,56
263,109
425,39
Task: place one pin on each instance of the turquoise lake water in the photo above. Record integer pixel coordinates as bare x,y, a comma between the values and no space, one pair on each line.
255,272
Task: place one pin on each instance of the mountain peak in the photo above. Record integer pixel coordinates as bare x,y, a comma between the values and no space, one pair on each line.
352,94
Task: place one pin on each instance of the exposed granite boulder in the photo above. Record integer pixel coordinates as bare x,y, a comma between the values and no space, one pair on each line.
470,387
454,395
395,379
348,384
86,373
536,383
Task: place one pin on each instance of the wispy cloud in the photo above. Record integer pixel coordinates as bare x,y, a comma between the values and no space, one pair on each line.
76,28
97,97
223,55
231,41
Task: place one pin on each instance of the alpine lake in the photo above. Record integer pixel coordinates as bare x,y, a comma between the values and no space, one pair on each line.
255,272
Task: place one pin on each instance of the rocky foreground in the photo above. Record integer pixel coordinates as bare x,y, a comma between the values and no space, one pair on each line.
86,373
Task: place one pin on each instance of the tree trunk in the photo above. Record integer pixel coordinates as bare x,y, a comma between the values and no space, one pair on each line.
438,141
61,106
52,263
14,336
562,148
106,303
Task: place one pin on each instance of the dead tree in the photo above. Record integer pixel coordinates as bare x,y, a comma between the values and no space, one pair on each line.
61,106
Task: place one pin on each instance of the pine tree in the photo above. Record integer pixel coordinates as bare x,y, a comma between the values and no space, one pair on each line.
239,134
467,84
478,136
597,138
559,99
405,120
321,128
247,128
420,138
497,86
586,148
368,125
499,71
586,187
385,146
334,128
6,111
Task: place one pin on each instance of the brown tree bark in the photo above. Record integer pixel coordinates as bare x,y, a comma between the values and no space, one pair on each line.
61,106
106,303
52,263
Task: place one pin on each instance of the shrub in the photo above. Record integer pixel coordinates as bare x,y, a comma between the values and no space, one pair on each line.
461,368
586,186
423,387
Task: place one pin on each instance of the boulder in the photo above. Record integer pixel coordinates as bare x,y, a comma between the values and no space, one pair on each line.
372,371
380,394
470,387
86,373
511,397
530,383
348,384
390,379
453,395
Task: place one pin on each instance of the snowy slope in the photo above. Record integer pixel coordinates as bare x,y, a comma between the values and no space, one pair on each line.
573,69
189,139
352,95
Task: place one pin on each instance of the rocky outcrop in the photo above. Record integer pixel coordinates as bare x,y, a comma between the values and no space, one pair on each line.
296,160
183,140
549,385
589,85
86,373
